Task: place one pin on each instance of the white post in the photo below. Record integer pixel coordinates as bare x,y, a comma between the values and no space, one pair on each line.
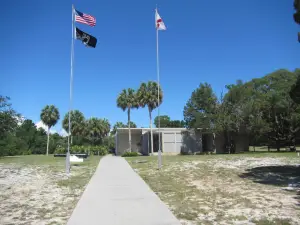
158,86
71,93
116,143
175,143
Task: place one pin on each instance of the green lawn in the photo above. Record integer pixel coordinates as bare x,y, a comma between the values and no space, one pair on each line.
225,189
35,188
265,149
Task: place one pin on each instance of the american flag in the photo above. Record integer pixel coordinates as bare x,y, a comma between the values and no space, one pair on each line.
85,18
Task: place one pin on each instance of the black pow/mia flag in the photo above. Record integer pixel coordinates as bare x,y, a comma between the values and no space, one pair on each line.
87,40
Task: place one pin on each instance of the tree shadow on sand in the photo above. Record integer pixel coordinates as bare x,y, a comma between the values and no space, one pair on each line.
283,176
274,175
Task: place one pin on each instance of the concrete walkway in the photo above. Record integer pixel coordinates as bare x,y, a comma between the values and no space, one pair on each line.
116,195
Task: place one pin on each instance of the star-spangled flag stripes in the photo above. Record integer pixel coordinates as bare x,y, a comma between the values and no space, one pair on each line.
84,18
160,25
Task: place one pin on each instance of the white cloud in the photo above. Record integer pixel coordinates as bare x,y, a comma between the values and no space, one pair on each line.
20,120
63,133
40,124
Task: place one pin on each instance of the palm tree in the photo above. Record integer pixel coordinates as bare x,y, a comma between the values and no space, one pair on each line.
127,100
49,116
105,127
77,123
93,130
121,125
97,129
116,126
148,96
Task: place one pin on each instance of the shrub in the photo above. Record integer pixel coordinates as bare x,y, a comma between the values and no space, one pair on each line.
99,150
95,150
28,152
130,154
79,149
60,150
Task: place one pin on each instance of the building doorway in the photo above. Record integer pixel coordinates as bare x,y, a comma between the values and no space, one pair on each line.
155,142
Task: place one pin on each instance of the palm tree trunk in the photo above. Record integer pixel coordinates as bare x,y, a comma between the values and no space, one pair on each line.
129,131
150,116
48,140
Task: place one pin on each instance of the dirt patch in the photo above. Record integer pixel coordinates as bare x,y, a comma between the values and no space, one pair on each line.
31,194
216,190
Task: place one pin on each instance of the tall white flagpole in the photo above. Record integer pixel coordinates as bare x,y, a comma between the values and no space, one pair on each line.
157,70
71,93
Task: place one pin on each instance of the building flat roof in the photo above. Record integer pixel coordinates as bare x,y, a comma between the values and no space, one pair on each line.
141,130
155,129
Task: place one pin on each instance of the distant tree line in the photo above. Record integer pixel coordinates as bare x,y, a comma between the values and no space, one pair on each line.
18,137
165,121
122,125
266,109
91,131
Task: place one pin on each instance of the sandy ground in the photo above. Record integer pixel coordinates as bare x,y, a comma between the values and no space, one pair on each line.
230,190
38,194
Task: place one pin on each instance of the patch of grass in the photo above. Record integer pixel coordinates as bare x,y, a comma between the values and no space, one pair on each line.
50,162
9,211
187,215
23,214
204,222
53,223
198,190
130,154
265,149
82,174
273,222
33,160
239,218
51,171
42,212
75,182
167,159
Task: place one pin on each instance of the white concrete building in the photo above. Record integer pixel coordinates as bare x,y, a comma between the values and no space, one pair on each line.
173,140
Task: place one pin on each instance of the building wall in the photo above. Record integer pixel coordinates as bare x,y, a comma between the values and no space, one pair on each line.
191,142
242,140
123,144
174,141
220,143
241,143
208,142
169,142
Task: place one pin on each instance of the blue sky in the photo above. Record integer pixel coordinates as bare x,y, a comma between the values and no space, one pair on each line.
206,41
